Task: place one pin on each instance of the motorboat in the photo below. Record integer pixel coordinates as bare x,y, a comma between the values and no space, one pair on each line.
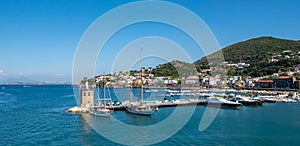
289,100
268,99
218,101
245,100
101,112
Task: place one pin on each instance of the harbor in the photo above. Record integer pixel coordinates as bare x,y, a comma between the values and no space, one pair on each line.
166,98
45,119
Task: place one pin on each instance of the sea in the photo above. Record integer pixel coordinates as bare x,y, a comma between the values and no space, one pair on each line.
35,115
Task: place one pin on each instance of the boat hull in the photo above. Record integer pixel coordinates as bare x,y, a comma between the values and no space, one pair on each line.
268,100
250,103
223,105
101,114
139,112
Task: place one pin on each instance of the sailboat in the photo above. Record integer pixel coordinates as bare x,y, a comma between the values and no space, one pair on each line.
139,108
101,110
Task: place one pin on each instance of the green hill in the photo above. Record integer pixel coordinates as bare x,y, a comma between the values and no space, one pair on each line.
258,49
255,52
172,68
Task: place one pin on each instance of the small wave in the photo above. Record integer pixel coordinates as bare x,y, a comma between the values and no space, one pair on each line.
70,95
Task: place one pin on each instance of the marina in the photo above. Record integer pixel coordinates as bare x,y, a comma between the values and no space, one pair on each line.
168,99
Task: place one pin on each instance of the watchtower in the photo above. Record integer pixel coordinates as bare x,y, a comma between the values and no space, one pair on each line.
87,97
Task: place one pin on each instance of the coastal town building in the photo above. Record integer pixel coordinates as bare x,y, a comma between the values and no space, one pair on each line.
297,85
284,82
238,65
263,84
192,80
249,84
280,82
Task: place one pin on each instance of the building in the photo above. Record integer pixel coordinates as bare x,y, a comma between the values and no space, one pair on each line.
249,84
297,85
263,84
87,98
284,82
192,80
297,68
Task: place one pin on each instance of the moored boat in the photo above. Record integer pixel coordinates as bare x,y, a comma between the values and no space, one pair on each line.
245,100
101,112
140,108
268,99
289,100
217,101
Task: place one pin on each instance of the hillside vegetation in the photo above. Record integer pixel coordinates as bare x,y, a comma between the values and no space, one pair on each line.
257,52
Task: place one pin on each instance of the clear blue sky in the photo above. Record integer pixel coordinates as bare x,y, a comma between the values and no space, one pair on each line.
39,38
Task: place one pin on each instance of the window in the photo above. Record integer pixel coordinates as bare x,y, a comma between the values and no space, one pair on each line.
83,93
89,93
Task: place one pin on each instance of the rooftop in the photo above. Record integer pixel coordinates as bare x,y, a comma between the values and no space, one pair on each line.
265,81
284,77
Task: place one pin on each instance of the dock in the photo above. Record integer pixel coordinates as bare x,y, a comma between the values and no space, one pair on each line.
194,102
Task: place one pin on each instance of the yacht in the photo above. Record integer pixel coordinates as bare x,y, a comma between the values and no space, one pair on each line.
215,101
101,112
101,109
245,100
289,100
268,99
139,108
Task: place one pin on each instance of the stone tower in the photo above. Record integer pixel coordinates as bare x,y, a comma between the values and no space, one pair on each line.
87,98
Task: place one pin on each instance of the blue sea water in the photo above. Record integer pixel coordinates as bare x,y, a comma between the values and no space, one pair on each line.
36,115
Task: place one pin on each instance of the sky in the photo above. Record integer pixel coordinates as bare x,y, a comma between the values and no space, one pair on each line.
38,39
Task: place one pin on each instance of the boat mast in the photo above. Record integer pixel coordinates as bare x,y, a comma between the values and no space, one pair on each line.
104,102
98,97
130,92
142,86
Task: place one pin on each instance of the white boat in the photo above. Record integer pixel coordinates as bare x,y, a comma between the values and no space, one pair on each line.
222,102
246,101
101,112
268,99
288,100
101,109
139,108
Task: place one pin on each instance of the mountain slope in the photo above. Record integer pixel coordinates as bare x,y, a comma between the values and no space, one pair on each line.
257,52
256,49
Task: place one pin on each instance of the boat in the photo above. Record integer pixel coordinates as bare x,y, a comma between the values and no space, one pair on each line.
245,100
289,100
215,101
139,108
101,112
268,99
101,109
